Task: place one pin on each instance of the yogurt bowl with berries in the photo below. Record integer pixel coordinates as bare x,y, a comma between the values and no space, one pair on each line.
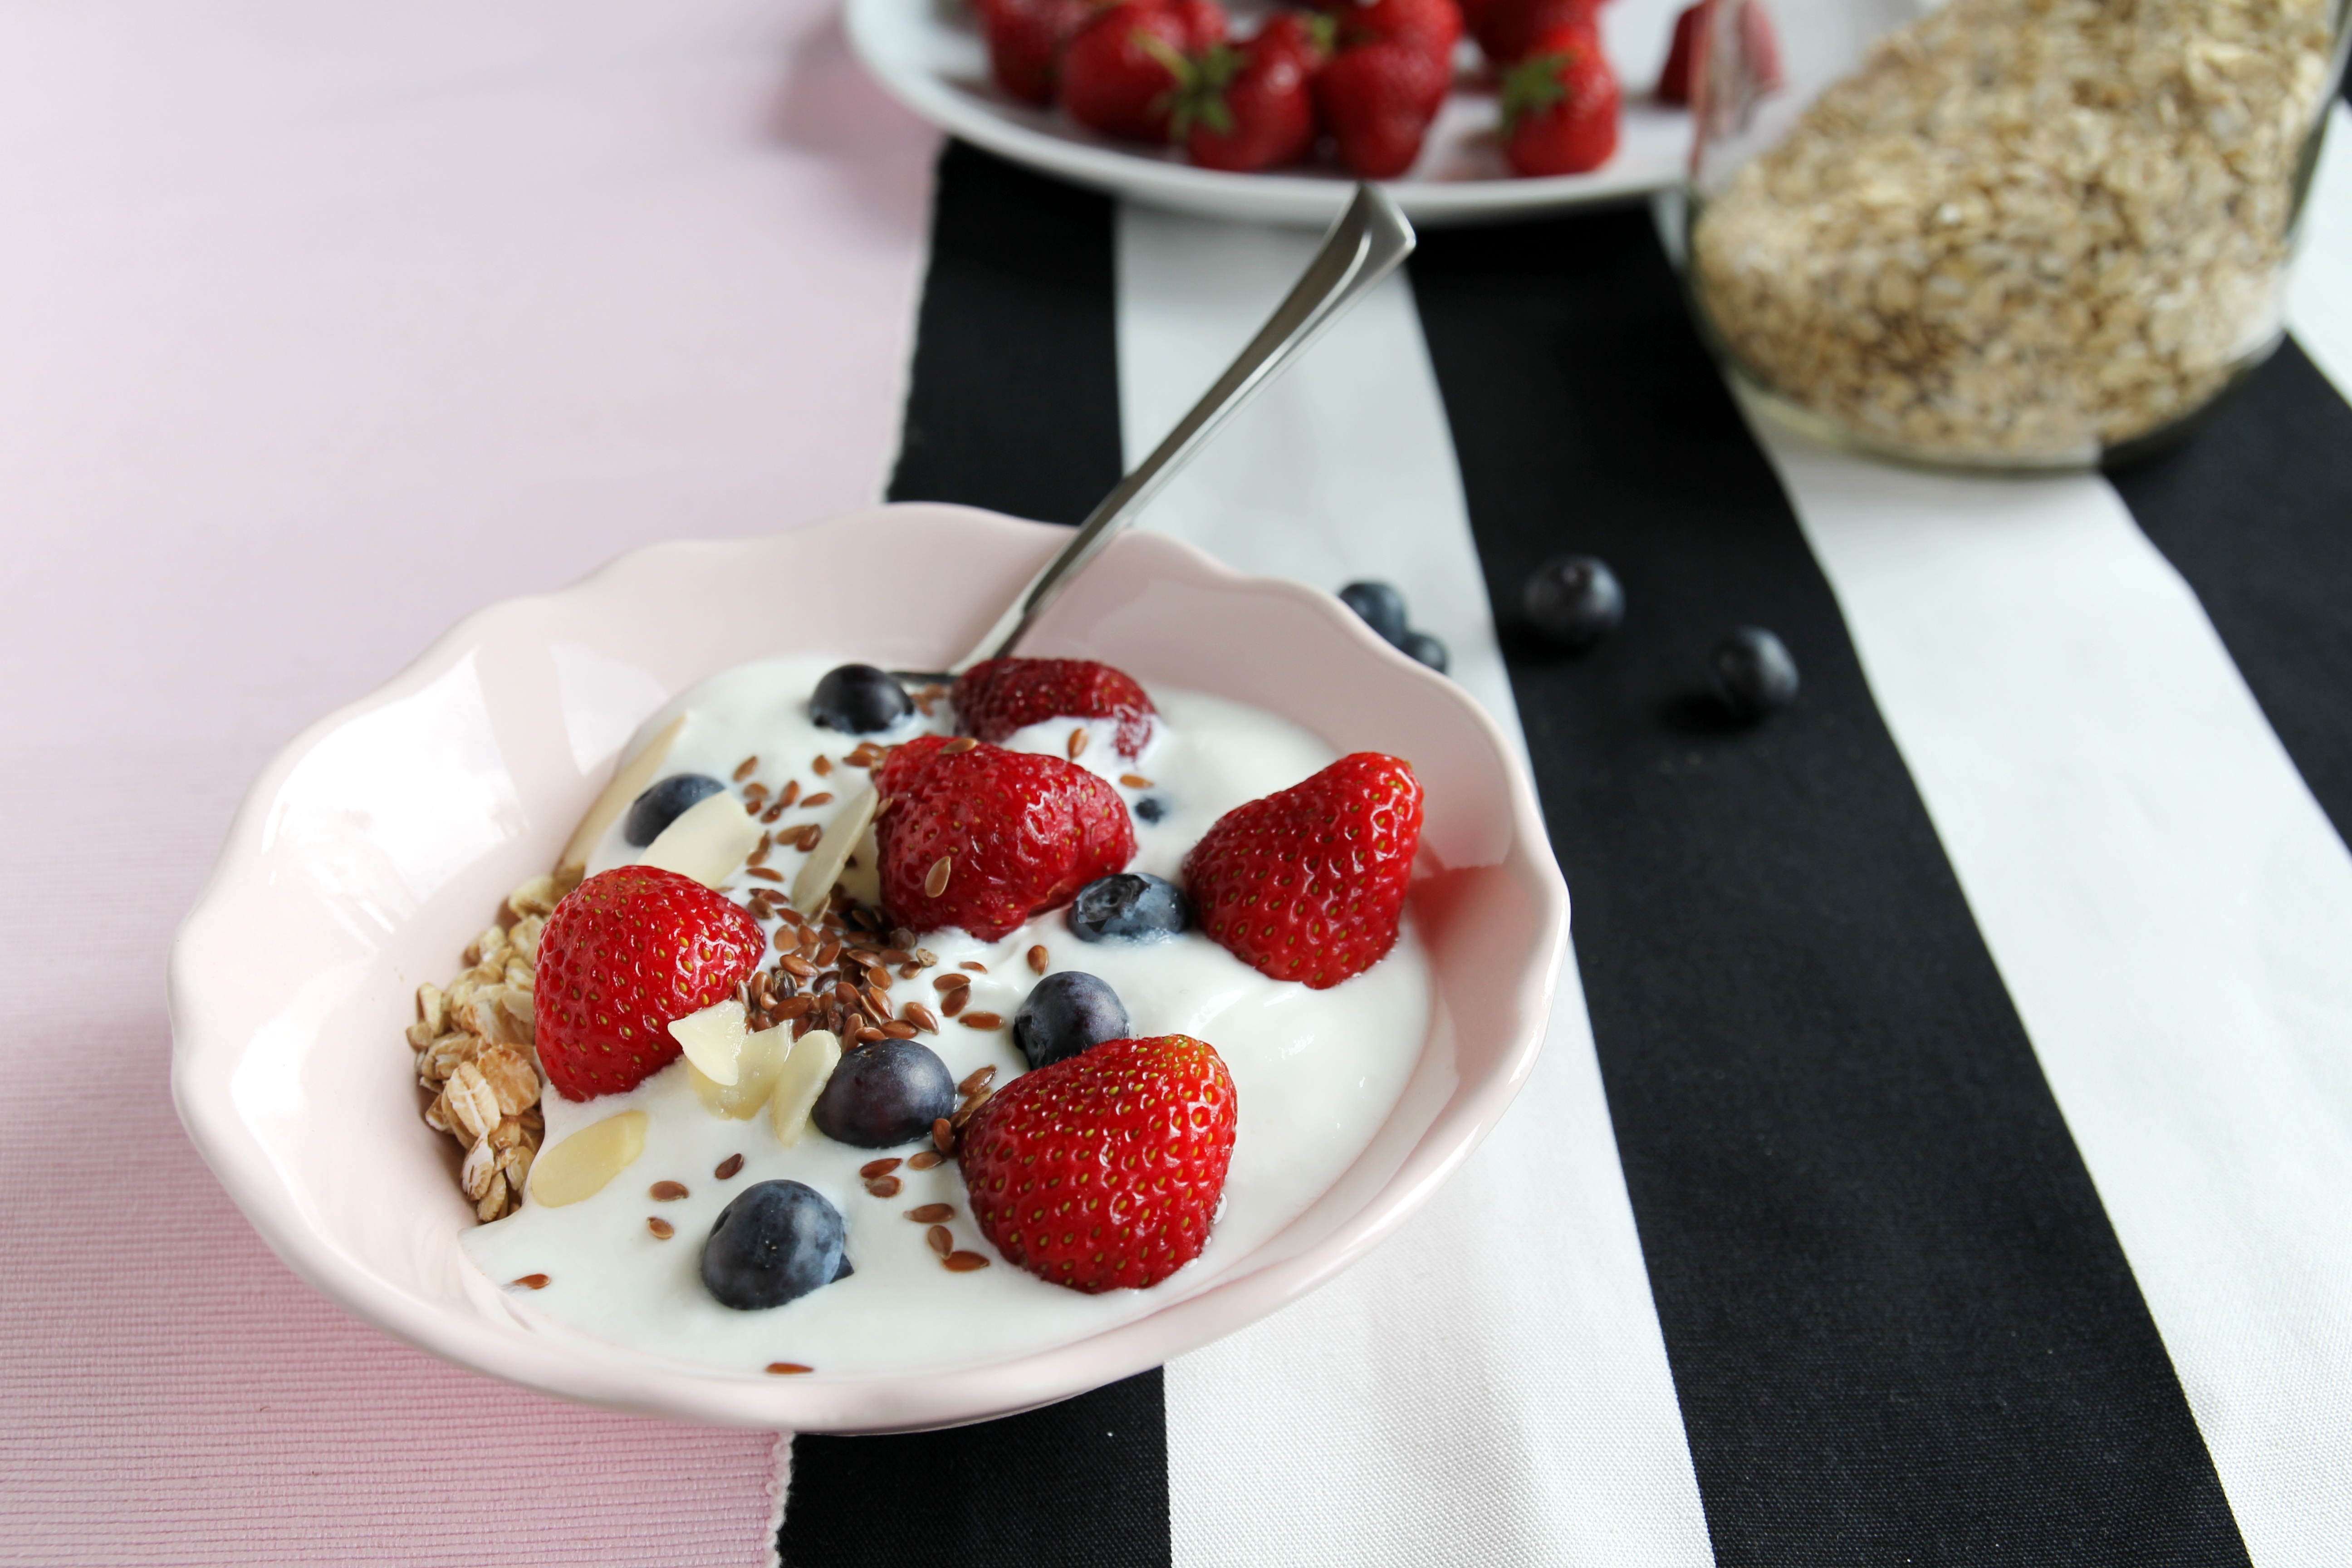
876,1055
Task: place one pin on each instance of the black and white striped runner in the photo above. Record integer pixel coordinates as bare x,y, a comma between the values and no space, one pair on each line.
1947,1163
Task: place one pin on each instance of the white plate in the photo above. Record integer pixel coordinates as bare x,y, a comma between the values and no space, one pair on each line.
930,55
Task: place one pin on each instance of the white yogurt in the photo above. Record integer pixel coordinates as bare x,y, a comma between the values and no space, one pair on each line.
1316,1074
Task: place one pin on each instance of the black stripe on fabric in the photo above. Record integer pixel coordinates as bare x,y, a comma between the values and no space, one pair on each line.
1900,1325
1013,401
2254,508
1015,405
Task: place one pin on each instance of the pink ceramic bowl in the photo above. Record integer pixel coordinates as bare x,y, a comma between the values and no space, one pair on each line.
373,847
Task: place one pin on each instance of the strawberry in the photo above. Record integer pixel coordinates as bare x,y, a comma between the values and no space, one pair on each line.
1307,883
1306,36
1205,22
1102,1171
1431,26
1242,108
1018,833
626,954
1677,82
1025,38
1559,109
1510,30
1760,48
1112,80
998,696
1378,100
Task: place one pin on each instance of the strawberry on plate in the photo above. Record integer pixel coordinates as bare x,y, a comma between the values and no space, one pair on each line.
1430,26
998,696
1025,39
1759,47
1115,77
1510,30
1559,109
626,954
1378,100
1308,883
1103,1171
1241,108
977,836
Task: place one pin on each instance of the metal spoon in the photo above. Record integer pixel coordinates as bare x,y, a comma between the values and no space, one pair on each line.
1364,247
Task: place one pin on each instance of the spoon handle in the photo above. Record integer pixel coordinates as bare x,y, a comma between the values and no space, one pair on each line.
1364,247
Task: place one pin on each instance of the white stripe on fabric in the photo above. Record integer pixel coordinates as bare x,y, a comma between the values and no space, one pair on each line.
2170,911
2319,294
1490,1386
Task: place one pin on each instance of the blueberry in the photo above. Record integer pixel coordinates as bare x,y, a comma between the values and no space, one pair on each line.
885,1094
1065,1014
1130,906
859,699
1752,673
1150,808
664,804
1380,606
775,1243
1426,648
1574,600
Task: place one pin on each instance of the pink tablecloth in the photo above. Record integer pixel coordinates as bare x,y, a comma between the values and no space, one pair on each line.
324,326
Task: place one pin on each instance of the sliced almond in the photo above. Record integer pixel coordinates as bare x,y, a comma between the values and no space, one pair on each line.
708,842
757,1067
806,1070
712,1039
629,783
579,1167
813,883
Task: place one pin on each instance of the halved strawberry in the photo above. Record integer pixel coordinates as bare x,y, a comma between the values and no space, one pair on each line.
998,696
630,952
977,836
1308,883
1103,1171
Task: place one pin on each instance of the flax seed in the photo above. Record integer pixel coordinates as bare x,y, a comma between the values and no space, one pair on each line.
788,1368
755,792
941,1239
943,1134
790,792
975,965
746,768
766,873
920,1017
931,1214
873,1168
960,744
668,1192
866,1033
828,952
792,963
729,1167
952,1003
981,1021
935,881
977,1079
924,1160
951,982
1078,744
1038,959
897,1031
1135,781
884,1186
663,1230
963,1262
772,811
822,766
531,1282
821,797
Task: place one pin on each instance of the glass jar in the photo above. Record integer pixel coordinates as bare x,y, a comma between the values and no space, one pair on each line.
2028,234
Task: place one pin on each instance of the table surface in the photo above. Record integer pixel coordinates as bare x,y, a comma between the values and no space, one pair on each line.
1941,1159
